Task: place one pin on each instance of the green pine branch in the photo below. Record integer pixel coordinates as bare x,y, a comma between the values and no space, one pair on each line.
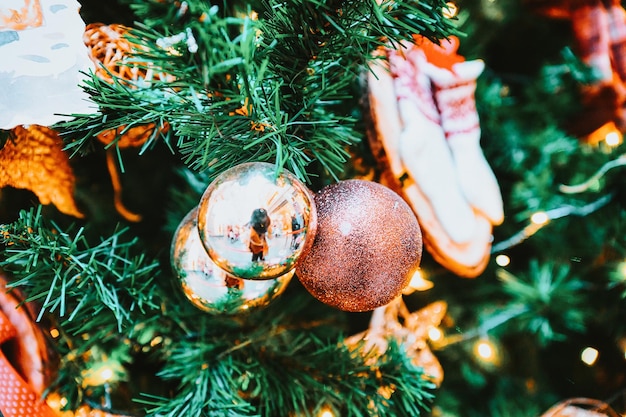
548,301
82,283
300,377
107,304
234,88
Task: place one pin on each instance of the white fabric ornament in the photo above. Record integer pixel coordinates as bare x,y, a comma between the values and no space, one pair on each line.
425,133
43,61
454,93
423,148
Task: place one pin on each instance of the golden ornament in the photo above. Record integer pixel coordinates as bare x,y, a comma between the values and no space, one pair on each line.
210,288
395,321
33,159
256,224
109,49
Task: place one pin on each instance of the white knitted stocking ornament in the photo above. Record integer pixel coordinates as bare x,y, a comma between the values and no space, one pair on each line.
454,95
423,147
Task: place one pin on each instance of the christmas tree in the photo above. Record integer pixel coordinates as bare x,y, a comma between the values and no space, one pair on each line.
307,207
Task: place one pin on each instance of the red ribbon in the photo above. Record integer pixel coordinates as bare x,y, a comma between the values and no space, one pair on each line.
17,399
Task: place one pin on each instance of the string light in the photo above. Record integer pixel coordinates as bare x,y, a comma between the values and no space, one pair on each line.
435,334
607,134
487,352
503,260
101,370
56,402
326,412
450,10
592,181
539,218
542,218
589,355
613,139
106,374
484,350
98,376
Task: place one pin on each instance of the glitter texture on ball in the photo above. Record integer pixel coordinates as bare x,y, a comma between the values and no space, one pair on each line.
256,224
367,246
210,288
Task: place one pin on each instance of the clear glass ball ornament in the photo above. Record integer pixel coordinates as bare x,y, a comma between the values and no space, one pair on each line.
256,224
209,287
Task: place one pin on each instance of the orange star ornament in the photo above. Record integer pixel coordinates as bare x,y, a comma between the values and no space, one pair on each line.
33,159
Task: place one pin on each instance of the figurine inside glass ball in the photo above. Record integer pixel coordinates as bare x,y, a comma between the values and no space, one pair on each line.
256,224
209,287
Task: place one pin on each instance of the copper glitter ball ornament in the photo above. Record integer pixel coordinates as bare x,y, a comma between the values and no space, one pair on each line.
367,246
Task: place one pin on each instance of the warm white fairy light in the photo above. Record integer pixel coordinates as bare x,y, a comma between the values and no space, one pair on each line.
613,138
539,218
102,369
106,374
487,352
435,334
54,332
503,260
98,375
156,341
56,402
589,355
450,10
326,412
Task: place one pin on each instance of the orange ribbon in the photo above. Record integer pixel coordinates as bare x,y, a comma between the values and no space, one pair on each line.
17,399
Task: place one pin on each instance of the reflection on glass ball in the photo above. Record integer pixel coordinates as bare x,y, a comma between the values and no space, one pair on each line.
210,288
255,224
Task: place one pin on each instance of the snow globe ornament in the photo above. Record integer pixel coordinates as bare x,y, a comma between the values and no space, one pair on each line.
209,287
255,222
